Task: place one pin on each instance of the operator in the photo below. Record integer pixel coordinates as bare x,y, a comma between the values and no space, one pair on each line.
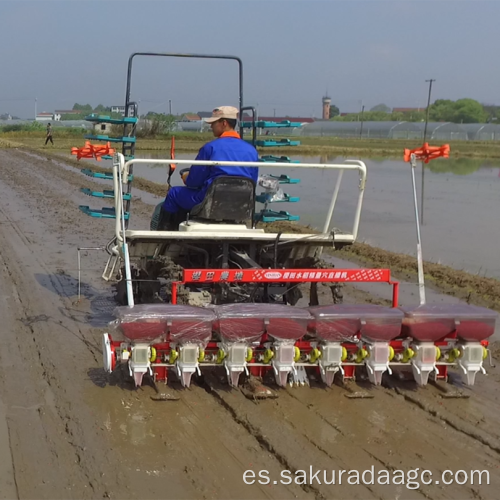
228,146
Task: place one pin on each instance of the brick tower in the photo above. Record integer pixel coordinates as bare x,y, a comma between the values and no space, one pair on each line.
326,107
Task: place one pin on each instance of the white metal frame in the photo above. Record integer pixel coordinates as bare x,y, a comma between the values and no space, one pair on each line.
120,177
121,169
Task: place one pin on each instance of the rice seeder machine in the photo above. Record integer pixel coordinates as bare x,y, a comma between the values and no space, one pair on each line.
226,291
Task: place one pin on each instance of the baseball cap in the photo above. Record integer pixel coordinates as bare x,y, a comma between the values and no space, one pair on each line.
227,112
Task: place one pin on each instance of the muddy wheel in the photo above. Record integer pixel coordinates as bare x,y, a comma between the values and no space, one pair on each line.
121,292
337,294
313,295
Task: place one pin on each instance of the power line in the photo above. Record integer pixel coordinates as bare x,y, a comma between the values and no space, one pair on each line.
428,105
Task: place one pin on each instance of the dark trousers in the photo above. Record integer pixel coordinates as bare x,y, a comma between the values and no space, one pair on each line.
49,138
169,221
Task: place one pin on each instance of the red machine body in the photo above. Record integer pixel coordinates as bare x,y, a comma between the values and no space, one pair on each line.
167,327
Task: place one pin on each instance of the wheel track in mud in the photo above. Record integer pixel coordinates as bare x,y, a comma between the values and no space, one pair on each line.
452,421
227,409
56,283
288,461
389,465
42,351
49,372
261,439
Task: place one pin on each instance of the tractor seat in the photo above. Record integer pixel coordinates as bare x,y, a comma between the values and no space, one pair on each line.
228,199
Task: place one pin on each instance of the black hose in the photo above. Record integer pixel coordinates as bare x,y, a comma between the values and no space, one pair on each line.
199,250
276,243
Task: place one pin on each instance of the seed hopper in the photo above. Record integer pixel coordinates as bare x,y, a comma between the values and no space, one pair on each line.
228,292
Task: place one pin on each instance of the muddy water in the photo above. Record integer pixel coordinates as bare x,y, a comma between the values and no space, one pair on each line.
70,431
461,226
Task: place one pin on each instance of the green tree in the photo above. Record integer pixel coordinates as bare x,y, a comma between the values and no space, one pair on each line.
376,116
398,117
100,108
351,117
461,111
334,111
82,107
469,111
492,111
441,110
381,107
413,116
169,124
157,124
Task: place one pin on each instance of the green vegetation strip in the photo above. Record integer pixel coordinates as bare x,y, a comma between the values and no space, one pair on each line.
328,148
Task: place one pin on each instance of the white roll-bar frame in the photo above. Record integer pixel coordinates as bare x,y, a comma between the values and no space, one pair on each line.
121,173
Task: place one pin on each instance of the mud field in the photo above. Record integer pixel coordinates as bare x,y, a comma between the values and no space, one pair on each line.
69,431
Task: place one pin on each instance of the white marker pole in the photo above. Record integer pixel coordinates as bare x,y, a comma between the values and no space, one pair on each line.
420,262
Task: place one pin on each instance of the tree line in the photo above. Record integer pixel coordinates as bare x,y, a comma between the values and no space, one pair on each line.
442,110
87,109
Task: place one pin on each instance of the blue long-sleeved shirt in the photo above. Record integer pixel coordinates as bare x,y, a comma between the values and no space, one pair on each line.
226,148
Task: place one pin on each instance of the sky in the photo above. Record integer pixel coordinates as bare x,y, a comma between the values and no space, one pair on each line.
54,54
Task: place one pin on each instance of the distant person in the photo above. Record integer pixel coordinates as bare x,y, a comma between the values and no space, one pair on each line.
228,146
49,135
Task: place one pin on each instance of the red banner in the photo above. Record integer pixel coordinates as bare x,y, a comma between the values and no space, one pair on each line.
285,275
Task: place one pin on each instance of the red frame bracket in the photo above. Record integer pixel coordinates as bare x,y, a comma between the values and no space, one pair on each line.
427,153
288,276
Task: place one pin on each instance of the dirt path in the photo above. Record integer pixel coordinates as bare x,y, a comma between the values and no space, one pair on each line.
69,431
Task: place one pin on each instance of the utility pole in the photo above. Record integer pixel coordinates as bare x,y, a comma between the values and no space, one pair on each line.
274,112
425,138
428,105
361,129
170,107
35,108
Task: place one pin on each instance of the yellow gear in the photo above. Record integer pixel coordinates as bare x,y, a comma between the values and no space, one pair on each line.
391,353
268,355
485,352
438,353
361,355
408,354
173,356
152,359
315,355
344,353
201,357
296,356
220,356
249,355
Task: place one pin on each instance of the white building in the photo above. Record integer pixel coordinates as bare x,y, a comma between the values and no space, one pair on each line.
44,117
